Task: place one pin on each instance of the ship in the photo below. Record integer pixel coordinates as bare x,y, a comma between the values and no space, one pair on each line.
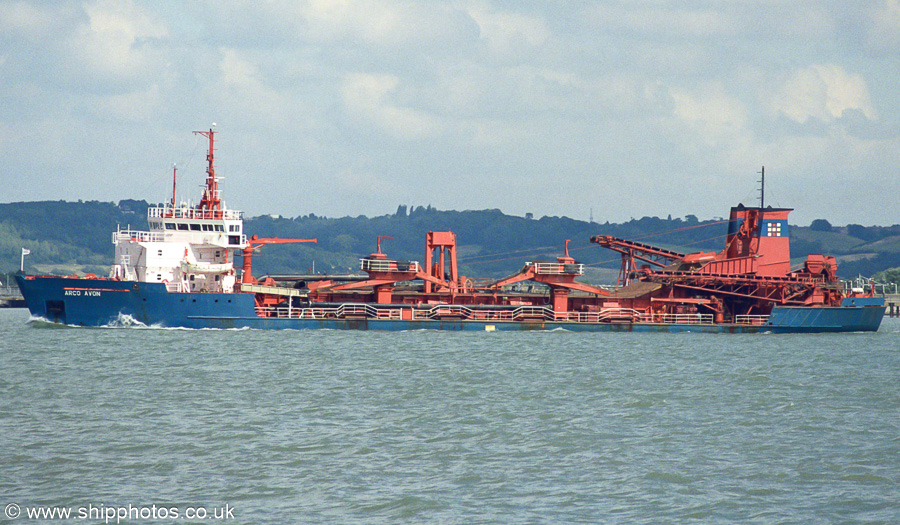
181,272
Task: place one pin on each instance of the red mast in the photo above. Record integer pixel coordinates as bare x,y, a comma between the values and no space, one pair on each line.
210,201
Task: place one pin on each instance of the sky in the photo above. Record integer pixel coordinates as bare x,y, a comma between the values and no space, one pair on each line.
610,110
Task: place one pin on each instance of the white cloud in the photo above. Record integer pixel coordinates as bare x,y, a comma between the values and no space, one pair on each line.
823,92
509,34
663,20
369,97
241,92
135,106
35,22
659,19
710,113
519,104
116,42
239,73
386,23
884,26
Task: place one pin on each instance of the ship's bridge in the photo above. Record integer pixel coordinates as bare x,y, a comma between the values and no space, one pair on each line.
197,226
190,212
216,237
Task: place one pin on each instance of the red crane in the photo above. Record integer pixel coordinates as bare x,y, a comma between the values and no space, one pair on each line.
636,251
255,243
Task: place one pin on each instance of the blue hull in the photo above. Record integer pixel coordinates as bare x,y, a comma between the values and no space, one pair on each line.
864,317
92,302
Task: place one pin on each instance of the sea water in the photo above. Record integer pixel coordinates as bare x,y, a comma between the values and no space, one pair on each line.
135,425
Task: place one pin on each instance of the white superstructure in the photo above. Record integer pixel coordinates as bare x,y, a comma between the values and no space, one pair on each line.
188,248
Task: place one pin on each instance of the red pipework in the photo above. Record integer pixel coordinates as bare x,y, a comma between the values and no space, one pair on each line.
566,259
378,254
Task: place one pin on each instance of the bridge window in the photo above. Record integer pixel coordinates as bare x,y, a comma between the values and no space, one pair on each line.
170,225
182,227
207,227
195,227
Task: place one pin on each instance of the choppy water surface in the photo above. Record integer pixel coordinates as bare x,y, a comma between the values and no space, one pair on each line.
432,427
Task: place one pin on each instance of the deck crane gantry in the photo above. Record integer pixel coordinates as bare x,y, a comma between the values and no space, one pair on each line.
635,251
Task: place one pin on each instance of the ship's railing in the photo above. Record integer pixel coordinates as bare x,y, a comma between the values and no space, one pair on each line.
463,312
139,236
630,315
343,311
682,318
388,265
456,311
534,312
185,212
751,319
551,268
609,315
216,238
443,311
579,317
174,286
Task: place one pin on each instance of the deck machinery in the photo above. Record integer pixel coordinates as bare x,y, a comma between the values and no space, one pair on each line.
739,285
744,281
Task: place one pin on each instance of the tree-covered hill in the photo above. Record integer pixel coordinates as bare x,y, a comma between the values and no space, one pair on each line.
64,234
67,237
490,243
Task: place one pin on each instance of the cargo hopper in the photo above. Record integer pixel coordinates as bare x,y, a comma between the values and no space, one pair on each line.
181,273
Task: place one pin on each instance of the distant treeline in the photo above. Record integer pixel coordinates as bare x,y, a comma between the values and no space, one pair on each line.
76,236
